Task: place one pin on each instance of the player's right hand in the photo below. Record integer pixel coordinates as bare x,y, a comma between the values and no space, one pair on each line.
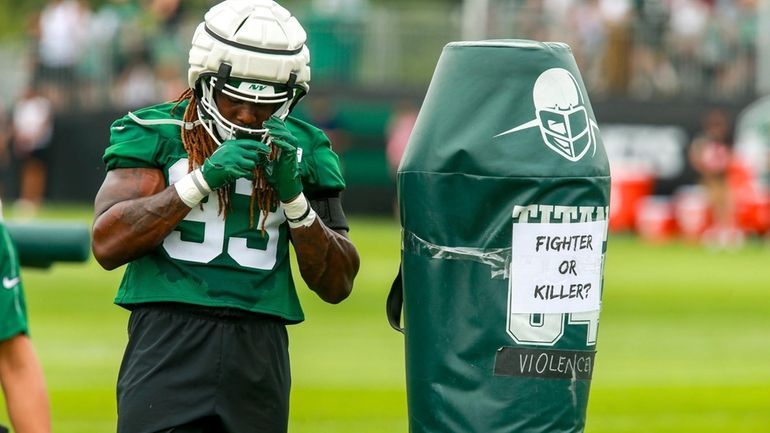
233,159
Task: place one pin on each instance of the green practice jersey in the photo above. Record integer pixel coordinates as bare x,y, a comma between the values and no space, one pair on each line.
13,312
207,259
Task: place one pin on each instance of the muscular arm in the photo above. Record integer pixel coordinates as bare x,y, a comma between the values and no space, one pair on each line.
327,260
133,213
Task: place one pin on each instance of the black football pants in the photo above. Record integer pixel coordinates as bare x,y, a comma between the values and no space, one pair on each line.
190,369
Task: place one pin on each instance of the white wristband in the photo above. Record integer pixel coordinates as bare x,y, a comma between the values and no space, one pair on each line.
192,188
298,212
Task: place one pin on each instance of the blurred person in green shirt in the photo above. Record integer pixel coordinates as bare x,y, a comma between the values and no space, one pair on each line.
20,372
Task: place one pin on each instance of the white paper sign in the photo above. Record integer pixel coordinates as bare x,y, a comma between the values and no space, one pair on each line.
557,268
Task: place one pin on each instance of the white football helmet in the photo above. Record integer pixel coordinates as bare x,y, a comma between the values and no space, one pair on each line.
253,50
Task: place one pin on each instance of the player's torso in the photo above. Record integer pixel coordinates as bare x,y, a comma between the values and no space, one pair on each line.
210,259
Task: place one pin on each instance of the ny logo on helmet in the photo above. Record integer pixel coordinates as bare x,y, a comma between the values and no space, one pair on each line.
561,115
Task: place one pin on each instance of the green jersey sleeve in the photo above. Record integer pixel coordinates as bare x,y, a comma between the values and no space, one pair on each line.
319,165
137,139
131,146
13,310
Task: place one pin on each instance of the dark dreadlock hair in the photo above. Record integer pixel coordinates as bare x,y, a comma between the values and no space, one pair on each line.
199,145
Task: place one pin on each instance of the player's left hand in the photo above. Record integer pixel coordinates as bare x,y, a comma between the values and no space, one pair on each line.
283,173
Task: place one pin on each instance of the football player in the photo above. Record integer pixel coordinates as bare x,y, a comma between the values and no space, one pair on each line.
201,199
20,372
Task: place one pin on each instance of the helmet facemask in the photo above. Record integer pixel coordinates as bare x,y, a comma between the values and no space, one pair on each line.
566,129
255,91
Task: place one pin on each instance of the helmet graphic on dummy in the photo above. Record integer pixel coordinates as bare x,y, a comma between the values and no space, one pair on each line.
561,112
251,50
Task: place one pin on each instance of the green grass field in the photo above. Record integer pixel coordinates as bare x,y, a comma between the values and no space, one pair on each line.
684,342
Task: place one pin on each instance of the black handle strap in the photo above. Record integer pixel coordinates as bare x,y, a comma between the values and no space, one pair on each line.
395,303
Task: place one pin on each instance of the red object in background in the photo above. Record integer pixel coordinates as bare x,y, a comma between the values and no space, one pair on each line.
692,211
655,219
627,189
751,201
689,213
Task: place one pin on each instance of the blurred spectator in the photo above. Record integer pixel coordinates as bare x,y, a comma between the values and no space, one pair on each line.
136,84
688,22
32,126
164,42
117,27
62,34
168,13
101,59
752,140
591,36
398,132
741,23
653,74
646,48
640,48
711,155
323,113
170,80
617,54
22,377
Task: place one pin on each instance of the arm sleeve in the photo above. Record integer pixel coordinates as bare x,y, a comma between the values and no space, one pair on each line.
329,209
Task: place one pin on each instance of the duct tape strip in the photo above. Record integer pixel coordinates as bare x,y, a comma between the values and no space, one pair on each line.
498,259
